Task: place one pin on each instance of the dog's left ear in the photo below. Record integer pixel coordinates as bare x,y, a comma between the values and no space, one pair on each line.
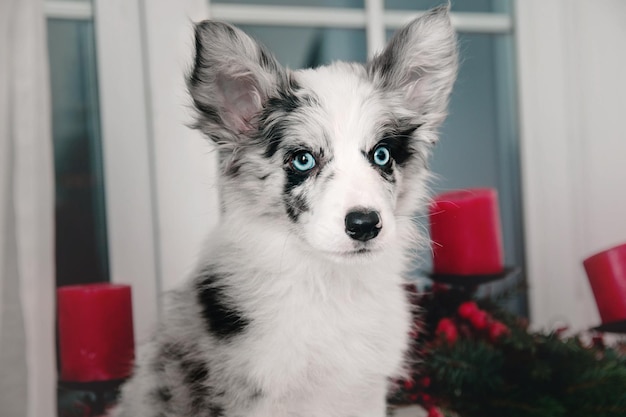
420,62
232,77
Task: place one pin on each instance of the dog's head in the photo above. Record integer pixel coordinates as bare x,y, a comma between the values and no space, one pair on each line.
336,155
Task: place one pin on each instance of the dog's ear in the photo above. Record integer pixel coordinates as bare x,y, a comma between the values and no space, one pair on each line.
420,62
232,77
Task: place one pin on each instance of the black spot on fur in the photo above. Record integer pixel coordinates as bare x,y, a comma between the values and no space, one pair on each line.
195,79
266,60
198,400
386,64
273,127
194,371
397,138
167,353
195,375
293,179
216,410
399,141
286,102
273,137
209,113
272,124
171,352
383,65
295,206
221,318
163,394
292,84
199,64
233,167
256,395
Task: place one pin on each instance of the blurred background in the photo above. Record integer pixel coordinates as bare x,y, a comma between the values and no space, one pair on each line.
536,113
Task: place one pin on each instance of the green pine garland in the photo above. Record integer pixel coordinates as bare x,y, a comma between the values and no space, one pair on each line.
465,369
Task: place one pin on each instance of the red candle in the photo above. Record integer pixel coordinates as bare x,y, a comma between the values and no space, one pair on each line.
607,275
96,337
465,232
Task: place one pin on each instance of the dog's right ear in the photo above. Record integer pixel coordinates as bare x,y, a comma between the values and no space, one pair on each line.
232,77
420,62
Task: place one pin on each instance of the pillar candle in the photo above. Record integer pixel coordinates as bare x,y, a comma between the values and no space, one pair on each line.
465,232
96,338
607,275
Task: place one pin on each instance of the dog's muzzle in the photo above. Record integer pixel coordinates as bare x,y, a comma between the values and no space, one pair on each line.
363,225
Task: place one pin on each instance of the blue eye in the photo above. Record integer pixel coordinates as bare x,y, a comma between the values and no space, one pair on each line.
382,156
303,161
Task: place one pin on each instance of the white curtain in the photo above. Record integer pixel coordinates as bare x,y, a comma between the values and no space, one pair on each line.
571,61
27,359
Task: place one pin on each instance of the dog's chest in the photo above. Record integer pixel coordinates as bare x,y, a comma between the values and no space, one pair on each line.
347,335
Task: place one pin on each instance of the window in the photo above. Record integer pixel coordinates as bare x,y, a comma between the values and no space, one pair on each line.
152,179
81,236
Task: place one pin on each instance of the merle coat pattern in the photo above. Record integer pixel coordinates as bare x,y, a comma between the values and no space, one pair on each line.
297,307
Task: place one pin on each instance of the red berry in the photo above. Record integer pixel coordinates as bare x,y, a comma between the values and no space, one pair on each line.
497,330
425,382
434,412
447,328
597,341
467,309
408,384
480,320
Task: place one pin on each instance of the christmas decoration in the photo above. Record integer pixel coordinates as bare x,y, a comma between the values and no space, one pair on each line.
474,359
96,347
607,276
466,232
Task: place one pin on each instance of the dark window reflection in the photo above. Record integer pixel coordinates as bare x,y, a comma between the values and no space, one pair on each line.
81,240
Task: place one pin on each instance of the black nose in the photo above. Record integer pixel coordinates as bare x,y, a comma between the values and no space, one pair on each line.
363,224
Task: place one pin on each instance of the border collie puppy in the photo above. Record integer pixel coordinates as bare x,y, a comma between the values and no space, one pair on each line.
297,307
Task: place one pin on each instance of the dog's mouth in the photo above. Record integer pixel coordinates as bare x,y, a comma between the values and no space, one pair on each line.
353,255
358,252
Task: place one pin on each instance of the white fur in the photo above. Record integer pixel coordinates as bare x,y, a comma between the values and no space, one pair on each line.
326,316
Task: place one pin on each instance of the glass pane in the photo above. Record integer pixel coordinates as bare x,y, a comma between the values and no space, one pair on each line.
484,6
81,241
310,47
478,141
472,138
305,3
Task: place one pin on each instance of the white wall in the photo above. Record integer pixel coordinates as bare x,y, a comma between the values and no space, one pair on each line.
573,111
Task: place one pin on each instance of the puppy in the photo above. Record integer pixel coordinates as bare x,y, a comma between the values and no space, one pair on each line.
297,307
